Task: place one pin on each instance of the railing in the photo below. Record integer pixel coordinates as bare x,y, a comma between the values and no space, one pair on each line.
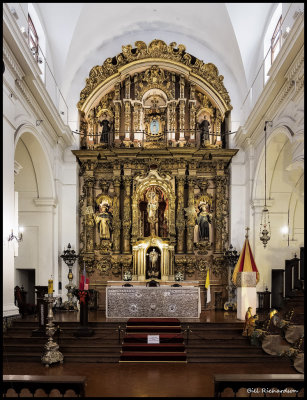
47,76
46,383
260,80
259,385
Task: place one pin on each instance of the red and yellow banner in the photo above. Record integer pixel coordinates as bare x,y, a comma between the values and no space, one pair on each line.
246,263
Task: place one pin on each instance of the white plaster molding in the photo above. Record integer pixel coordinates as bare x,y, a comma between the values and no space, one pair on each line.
11,28
47,201
276,89
17,167
259,203
11,61
296,68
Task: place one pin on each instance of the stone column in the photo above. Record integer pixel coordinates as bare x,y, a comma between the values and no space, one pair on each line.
191,217
180,223
116,217
127,214
89,220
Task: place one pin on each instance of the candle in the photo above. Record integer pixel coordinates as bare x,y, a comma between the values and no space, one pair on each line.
50,286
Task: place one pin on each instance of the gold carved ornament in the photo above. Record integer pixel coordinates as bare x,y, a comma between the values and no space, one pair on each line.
160,50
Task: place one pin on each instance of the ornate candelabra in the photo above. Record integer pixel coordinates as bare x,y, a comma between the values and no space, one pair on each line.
69,256
231,255
52,354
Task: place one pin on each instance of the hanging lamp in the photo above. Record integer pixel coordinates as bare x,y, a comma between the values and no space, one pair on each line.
265,227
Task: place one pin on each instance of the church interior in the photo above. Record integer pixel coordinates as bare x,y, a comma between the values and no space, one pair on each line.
153,199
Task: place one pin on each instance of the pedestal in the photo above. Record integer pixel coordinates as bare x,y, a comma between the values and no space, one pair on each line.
42,311
246,293
83,329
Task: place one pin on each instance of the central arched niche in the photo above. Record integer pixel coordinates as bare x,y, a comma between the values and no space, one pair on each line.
153,223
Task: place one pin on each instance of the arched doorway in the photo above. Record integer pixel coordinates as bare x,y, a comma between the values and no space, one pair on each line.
34,207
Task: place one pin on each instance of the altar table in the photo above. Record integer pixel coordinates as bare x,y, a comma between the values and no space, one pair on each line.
153,302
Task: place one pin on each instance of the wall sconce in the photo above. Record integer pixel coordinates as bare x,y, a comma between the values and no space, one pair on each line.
19,237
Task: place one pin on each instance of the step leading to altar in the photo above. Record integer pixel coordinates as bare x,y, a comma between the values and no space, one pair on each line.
153,302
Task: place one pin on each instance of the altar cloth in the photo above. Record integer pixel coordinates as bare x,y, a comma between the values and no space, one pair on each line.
150,302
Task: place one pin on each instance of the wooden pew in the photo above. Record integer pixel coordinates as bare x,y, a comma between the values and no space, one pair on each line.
46,383
260,383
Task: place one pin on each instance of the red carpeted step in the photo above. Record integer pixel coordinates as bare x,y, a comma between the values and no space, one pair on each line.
167,347
153,356
164,338
153,321
153,329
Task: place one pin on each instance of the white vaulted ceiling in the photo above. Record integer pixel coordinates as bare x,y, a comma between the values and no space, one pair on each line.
83,35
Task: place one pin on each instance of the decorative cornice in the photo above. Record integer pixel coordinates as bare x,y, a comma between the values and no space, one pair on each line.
45,201
156,50
12,62
278,88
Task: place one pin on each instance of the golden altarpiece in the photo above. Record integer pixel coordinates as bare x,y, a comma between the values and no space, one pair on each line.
154,169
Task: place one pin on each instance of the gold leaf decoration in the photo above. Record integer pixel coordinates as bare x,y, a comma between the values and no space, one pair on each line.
160,50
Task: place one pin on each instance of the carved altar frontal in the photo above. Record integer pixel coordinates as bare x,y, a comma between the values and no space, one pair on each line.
181,302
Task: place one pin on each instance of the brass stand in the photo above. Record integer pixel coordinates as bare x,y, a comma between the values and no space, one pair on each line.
69,257
52,354
70,304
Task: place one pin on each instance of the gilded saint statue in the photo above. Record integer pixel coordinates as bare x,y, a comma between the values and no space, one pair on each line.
203,219
153,270
103,219
152,211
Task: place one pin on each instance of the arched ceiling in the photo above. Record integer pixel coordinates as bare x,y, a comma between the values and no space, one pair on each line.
82,35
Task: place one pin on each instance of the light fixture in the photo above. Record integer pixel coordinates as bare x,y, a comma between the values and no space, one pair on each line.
69,257
265,228
38,122
17,238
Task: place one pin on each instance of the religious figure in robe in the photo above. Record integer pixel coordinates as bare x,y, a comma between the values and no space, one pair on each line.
105,124
152,211
153,270
204,130
203,219
103,219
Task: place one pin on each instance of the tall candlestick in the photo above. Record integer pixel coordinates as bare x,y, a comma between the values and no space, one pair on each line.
50,286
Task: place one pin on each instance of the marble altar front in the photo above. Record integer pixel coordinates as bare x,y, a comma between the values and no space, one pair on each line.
153,302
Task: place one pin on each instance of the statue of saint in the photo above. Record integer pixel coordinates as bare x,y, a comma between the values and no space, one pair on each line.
152,211
153,269
204,128
103,219
105,130
153,258
204,218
